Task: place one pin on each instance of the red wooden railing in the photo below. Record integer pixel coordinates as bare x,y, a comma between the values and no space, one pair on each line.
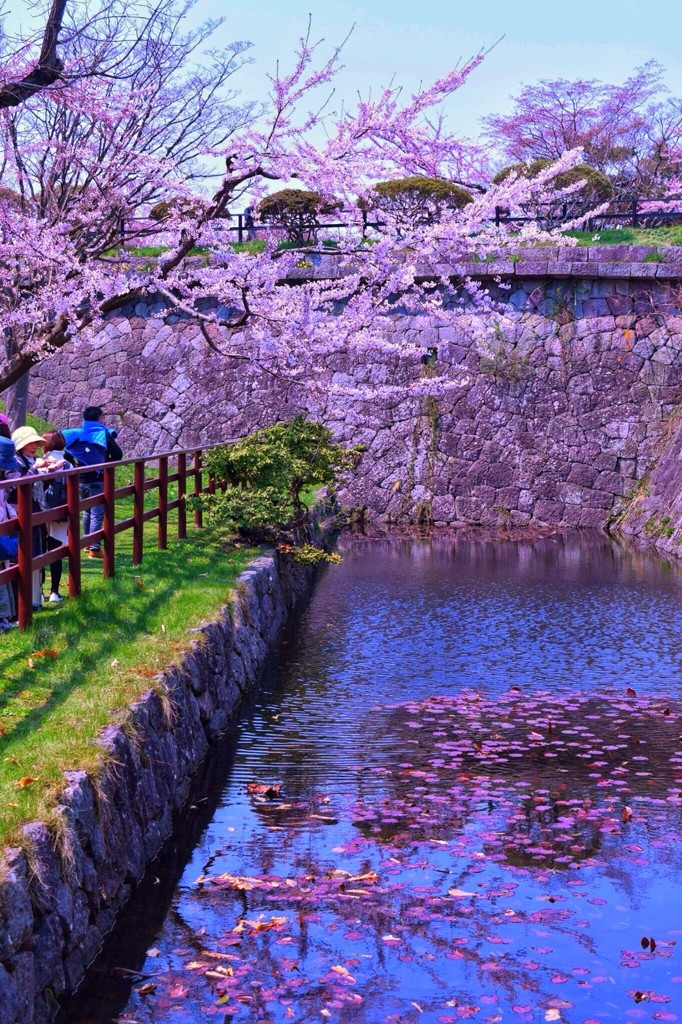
184,472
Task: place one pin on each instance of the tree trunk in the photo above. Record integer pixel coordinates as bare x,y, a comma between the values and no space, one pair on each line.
16,398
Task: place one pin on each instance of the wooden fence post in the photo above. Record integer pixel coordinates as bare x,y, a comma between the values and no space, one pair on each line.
25,556
74,532
198,482
109,522
138,512
162,533
182,492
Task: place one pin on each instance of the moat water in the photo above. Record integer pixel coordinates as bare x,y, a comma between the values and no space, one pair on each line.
456,795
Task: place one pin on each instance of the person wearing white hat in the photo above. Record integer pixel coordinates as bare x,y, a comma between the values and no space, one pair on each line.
27,441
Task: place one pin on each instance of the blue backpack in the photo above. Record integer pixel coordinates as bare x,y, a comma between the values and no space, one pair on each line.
9,548
85,453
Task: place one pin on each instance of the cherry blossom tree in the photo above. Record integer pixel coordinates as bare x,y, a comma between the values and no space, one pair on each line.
126,107
86,158
629,131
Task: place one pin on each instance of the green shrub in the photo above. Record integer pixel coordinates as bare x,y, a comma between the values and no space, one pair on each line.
298,212
264,474
597,188
521,170
307,554
180,205
417,199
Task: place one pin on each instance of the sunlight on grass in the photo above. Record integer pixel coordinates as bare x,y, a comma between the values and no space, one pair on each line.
84,661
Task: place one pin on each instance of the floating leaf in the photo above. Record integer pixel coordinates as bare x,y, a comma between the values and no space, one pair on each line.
269,789
344,973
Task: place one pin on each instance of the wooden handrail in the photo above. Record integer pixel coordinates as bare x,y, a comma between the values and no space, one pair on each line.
20,575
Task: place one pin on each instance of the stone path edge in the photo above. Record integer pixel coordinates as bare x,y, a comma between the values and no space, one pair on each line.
61,890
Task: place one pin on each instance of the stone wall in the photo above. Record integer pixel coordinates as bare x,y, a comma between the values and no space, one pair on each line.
652,515
556,428
59,892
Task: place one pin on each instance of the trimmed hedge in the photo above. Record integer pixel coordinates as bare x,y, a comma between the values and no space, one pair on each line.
418,199
297,211
598,188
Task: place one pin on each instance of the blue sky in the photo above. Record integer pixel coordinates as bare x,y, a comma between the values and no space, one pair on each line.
418,41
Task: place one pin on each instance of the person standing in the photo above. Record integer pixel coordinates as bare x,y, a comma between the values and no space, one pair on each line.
54,493
8,544
249,224
92,444
27,441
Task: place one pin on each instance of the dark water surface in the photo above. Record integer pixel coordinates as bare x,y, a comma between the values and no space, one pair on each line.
457,796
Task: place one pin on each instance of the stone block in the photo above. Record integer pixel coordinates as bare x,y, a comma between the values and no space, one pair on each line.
669,270
595,307
555,268
593,518
644,270
582,474
550,512
611,482
531,268
443,508
621,270
619,305
573,254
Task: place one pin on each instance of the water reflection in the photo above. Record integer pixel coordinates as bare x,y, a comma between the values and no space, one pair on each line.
478,805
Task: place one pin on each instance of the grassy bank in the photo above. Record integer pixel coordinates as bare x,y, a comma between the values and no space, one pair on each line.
85,660
671,235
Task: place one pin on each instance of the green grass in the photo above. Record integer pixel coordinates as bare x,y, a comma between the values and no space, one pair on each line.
671,235
253,247
110,643
33,421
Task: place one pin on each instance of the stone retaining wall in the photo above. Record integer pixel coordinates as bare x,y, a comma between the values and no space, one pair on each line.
59,892
556,426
